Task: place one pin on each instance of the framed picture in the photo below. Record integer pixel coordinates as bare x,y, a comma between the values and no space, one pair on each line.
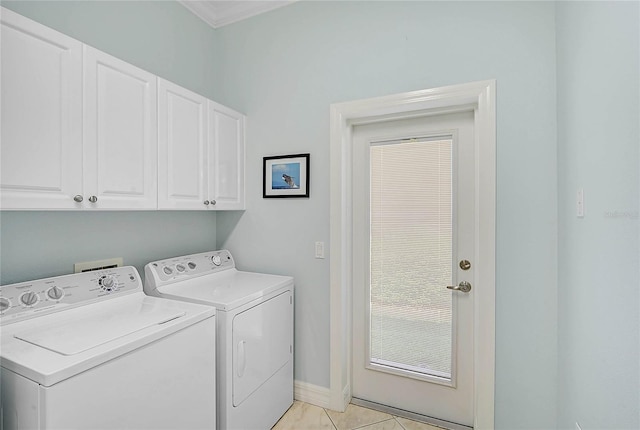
285,176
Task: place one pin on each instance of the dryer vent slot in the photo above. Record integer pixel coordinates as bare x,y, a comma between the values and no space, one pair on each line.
89,266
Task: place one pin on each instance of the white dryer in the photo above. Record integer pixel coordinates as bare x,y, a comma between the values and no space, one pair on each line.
92,351
255,332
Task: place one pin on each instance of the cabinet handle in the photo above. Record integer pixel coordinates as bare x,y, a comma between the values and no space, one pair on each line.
93,199
78,198
213,202
206,202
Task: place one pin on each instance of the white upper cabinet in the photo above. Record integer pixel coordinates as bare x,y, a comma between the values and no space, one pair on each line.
41,137
182,148
120,133
226,157
200,152
84,130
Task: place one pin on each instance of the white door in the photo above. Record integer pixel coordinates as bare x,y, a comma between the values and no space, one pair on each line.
182,148
413,191
226,157
120,129
41,137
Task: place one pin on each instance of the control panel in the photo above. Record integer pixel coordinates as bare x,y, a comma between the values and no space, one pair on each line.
42,296
180,268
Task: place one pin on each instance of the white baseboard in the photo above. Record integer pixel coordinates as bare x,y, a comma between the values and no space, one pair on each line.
310,393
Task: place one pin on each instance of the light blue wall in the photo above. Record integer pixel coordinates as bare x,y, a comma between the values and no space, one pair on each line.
163,38
41,244
598,148
284,69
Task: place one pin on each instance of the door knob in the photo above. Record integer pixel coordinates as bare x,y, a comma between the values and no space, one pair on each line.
463,286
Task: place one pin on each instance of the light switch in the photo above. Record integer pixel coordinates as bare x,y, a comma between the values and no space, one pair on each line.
580,203
319,249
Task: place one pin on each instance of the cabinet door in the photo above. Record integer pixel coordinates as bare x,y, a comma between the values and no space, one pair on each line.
41,137
182,150
120,133
226,158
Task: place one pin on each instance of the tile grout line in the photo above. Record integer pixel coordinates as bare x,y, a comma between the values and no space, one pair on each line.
399,423
377,422
329,416
366,425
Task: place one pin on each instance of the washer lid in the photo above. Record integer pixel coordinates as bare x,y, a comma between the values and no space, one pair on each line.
54,347
226,290
74,337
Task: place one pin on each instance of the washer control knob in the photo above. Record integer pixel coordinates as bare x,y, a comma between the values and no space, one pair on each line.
29,298
4,304
55,293
167,270
191,265
108,283
180,268
216,260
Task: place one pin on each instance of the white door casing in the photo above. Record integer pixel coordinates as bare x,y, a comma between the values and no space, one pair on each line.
441,143
478,97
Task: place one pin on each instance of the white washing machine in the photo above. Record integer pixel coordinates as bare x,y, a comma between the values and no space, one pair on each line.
92,351
255,332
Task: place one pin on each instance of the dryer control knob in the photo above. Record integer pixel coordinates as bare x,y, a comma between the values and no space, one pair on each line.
216,260
167,270
180,268
29,298
55,293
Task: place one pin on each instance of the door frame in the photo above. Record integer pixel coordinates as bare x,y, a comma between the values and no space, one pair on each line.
478,97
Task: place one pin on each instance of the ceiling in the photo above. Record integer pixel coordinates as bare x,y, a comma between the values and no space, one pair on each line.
217,13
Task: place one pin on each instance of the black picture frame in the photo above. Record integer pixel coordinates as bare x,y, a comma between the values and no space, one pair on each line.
285,176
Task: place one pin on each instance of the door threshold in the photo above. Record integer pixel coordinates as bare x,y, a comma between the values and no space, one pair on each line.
409,415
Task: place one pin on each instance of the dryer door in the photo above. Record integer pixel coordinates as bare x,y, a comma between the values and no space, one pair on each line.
262,344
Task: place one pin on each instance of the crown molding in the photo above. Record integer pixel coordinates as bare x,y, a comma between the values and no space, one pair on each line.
218,13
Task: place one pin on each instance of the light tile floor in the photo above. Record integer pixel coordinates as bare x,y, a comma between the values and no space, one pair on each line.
304,416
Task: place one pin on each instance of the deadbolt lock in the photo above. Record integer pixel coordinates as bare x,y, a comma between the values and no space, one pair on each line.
465,264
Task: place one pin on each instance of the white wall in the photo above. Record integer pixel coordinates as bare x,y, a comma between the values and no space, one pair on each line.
284,69
598,148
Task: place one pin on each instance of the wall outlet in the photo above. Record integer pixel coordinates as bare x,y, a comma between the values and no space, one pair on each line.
88,266
319,249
